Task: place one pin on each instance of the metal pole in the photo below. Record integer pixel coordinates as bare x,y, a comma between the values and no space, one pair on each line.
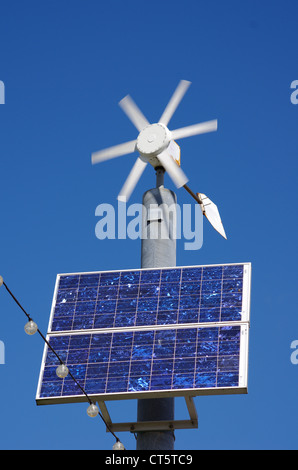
158,250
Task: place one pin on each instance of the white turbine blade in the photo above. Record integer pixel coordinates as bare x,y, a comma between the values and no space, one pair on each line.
113,152
132,180
202,128
175,172
174,101
134,113
211,212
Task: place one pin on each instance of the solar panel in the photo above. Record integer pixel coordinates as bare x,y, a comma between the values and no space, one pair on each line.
145,332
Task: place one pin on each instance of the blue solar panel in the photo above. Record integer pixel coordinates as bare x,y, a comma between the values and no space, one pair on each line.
125,362
129,333
148,297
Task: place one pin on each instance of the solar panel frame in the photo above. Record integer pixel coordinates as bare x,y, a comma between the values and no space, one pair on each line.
245,307
158,392
154,391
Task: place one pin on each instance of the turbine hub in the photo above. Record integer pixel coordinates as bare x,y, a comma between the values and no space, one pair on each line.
152,140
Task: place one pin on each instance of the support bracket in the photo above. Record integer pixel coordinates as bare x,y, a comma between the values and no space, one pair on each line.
133,427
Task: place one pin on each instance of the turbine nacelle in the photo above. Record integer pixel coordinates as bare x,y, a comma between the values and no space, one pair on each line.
152,141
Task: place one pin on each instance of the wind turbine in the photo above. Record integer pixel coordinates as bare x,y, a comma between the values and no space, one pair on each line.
156,145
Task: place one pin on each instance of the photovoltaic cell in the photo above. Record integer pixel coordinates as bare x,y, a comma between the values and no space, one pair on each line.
129,333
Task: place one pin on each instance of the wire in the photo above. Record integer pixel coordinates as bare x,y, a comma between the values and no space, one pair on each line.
60,360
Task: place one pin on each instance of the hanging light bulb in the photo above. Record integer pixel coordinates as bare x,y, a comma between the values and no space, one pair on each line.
92,410
62,371
1,281
30,328
118,446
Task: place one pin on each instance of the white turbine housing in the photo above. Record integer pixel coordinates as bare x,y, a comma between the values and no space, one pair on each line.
153,140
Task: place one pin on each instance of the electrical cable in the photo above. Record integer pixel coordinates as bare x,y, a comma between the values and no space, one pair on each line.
59,359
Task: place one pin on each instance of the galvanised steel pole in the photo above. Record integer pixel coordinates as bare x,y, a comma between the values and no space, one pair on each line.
158,251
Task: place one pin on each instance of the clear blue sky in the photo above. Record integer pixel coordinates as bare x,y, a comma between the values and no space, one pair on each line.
65,66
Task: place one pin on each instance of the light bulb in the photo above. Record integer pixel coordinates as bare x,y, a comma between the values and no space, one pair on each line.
92,410
62,371
1,281
118,446
30,327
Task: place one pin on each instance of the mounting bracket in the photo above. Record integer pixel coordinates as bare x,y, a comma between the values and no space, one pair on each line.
153,425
